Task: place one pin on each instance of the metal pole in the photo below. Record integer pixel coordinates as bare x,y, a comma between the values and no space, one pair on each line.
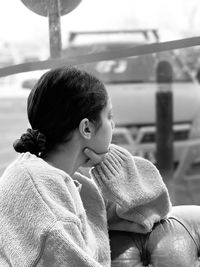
54,28
164,120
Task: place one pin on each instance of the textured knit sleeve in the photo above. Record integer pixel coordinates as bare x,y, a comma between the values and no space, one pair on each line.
65,246
136,195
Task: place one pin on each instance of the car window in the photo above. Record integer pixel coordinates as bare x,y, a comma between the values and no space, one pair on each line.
141,69
128,70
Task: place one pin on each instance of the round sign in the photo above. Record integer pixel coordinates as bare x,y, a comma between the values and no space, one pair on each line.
40,7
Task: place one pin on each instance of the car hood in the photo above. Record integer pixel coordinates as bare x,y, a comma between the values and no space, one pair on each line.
136,103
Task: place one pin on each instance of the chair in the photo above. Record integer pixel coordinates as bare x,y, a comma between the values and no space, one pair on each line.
173,242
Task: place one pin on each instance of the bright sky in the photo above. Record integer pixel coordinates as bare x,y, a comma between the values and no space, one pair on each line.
173,18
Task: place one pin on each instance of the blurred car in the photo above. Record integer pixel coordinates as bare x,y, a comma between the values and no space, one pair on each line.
29,79
29,83
131,83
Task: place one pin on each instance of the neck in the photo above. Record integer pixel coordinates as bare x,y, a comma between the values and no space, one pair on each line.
67,157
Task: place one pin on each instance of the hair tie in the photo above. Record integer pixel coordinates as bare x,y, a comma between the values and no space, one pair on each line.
32,141
38,138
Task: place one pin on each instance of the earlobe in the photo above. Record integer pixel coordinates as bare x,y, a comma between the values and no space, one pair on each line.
85,128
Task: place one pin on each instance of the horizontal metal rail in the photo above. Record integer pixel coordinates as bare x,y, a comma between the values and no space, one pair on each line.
100,56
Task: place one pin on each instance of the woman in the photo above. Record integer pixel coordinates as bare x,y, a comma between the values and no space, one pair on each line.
51,215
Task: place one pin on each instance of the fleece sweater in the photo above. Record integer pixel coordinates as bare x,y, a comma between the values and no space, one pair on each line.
134,190
48,218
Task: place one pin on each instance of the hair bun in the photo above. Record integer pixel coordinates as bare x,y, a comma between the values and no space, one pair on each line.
32,141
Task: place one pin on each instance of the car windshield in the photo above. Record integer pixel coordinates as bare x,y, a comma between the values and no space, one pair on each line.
141,69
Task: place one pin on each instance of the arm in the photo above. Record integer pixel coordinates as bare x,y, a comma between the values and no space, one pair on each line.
65,246
135,192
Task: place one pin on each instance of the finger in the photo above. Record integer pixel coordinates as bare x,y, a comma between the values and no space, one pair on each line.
88,164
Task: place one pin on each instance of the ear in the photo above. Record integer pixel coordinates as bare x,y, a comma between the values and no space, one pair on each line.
86,128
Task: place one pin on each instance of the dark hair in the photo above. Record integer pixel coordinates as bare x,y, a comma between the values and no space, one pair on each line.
60,99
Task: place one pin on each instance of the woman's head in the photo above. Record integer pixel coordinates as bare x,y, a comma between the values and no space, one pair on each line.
56,105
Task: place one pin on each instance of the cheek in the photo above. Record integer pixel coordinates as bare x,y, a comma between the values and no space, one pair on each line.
101,146
102,139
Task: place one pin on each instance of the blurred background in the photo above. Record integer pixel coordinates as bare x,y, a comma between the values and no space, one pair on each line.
164,128
24,34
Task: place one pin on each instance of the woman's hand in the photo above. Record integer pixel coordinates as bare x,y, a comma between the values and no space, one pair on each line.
93,158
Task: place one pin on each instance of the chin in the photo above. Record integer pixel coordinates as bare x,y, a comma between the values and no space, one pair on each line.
99,147
101,150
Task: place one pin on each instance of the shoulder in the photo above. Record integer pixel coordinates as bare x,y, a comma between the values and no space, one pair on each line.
36,181
28,168
14,174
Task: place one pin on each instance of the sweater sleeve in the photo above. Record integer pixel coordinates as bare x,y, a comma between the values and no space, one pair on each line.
65,246
136,195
